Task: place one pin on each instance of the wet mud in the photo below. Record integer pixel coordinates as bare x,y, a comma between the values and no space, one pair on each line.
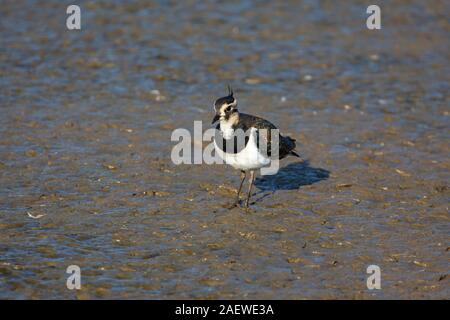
86,176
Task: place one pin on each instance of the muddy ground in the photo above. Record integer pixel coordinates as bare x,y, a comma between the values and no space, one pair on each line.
86,176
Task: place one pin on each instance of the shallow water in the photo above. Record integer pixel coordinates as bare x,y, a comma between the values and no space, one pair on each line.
86,144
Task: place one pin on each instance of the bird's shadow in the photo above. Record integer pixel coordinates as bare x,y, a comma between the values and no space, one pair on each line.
291,177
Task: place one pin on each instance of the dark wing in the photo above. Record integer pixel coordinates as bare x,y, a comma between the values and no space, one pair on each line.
286,144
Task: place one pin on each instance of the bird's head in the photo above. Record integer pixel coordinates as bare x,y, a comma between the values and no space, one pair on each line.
225,106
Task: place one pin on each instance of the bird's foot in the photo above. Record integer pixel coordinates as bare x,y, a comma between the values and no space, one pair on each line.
238,203
249,209
249,203
233,205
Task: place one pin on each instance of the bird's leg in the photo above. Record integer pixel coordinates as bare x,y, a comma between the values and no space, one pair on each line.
240,187
252,177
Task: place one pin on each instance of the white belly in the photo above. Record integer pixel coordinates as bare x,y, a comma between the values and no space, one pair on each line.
248,158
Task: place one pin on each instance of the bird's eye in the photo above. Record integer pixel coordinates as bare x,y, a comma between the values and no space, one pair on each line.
228,109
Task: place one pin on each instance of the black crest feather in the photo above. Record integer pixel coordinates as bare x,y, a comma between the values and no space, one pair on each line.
230,91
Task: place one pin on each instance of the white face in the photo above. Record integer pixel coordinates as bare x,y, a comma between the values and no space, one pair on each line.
227,108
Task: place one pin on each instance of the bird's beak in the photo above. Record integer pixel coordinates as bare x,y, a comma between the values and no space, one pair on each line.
216,118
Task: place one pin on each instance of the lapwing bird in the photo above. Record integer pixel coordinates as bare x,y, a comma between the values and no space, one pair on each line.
247,154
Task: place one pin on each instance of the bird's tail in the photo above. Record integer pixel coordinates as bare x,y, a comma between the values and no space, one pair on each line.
292,152
295,154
